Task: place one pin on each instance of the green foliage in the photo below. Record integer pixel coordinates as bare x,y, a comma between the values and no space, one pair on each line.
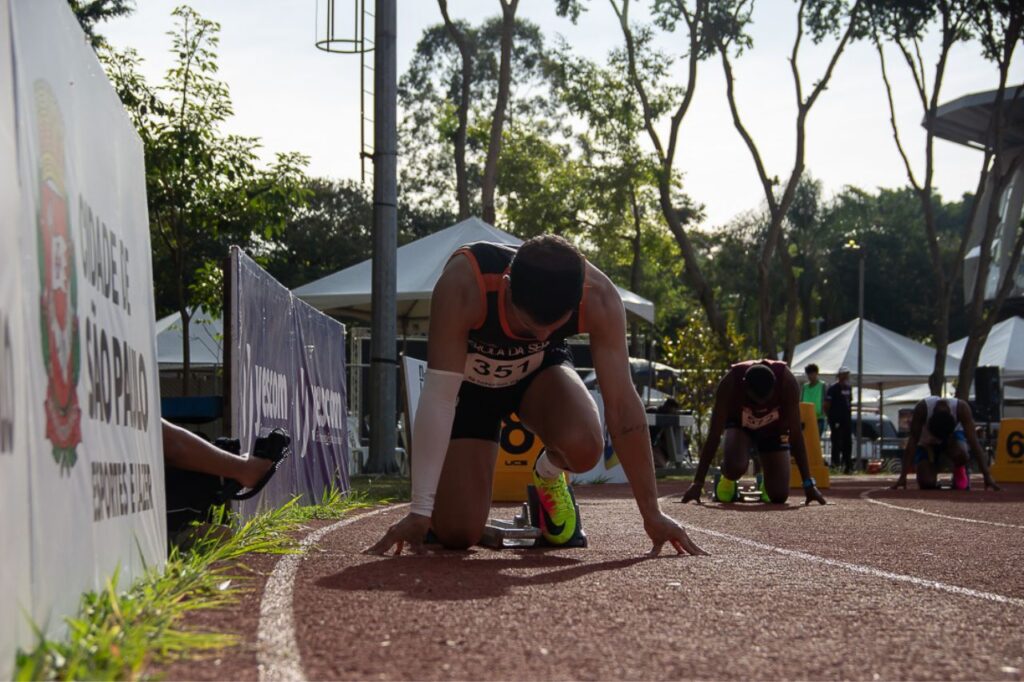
205,188
91,12
696,349
121,633
430,92
334,230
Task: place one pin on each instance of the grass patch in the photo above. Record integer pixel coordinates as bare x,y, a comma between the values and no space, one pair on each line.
117,634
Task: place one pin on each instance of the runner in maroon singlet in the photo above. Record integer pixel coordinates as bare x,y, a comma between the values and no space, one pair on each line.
757,408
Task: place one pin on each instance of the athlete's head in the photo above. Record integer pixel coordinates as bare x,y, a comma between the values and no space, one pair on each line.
759,381
941,424
546,278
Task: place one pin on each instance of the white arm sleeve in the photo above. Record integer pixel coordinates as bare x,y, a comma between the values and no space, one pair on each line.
431,431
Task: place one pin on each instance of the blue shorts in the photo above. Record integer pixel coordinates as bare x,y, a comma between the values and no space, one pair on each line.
927,452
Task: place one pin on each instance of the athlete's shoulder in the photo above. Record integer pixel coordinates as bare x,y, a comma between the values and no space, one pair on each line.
457,290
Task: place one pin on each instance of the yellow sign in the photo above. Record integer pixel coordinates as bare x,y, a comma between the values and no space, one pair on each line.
812,443
1009,464
518,449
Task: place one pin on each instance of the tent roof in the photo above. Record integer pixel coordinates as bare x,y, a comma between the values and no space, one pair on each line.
420,263
1004,349
889,358
205,340
966,119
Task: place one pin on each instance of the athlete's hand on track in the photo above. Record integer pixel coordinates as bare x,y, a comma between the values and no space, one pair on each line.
989,483
694,492
409,531
813,495
664,529
901,482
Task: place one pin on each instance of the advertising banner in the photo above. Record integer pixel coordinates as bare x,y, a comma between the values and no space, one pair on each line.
15,570
287,371
94,445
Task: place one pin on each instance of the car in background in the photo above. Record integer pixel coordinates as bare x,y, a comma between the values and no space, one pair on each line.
879,440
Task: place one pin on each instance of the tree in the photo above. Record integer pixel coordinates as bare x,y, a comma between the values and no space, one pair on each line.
334,230
695,348
204,188
820,19
646,69
458,95
997,27
91,12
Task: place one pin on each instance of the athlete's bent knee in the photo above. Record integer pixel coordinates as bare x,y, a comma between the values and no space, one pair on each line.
582,450
778,497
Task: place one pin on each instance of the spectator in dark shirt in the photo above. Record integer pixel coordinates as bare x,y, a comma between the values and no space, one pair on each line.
837,409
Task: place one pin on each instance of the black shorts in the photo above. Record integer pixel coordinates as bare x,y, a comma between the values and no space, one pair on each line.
764,440
480,410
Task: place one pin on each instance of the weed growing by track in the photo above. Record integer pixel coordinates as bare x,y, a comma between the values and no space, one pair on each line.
118,633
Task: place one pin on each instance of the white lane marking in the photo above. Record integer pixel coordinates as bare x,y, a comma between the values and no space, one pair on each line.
859,568
277,651
866,495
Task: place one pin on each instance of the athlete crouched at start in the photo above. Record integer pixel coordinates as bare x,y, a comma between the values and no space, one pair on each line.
499,319
942,436
757,407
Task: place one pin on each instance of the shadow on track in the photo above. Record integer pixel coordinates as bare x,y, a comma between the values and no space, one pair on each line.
452,576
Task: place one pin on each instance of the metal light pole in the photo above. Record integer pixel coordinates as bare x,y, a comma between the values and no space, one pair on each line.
852,245
860,349
383,362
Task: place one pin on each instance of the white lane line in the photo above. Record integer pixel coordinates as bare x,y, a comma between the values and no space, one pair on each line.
859,568
278,652
866,495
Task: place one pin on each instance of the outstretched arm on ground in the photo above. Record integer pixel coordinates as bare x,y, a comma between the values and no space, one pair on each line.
967,419
714,437
605,321
791,408
916,424
455,307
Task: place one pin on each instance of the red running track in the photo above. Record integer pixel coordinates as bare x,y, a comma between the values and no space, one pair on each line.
853,590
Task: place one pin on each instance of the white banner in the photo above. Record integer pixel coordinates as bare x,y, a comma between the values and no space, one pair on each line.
15,573
95,447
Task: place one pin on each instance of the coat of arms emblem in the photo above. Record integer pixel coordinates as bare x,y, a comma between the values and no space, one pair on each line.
58,301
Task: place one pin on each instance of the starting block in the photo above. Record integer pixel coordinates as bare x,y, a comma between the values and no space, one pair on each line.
523,531
747,493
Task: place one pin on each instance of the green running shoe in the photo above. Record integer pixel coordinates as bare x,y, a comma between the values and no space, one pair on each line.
726,490
557,512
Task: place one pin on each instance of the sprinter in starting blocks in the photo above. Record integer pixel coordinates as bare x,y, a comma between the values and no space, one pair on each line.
499,319
757,410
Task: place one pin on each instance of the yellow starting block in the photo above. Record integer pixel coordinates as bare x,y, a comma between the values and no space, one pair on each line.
1009,464
518,449
812,442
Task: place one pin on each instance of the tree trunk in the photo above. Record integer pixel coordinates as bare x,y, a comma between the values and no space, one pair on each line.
461,176
691,273
792,303
490,179
634,267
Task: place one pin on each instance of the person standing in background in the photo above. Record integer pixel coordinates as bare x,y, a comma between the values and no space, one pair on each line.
814,392
838,402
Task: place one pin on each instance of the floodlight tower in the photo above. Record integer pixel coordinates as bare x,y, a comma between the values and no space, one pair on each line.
352,39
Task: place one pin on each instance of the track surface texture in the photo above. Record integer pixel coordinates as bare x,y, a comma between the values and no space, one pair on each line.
852,590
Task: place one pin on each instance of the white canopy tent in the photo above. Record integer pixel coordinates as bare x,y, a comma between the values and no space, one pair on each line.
890,359
1004,349
420,263
205,340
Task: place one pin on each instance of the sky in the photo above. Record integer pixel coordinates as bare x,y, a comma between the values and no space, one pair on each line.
298,98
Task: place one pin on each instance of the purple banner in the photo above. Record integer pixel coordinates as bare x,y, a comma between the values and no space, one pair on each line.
287,369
